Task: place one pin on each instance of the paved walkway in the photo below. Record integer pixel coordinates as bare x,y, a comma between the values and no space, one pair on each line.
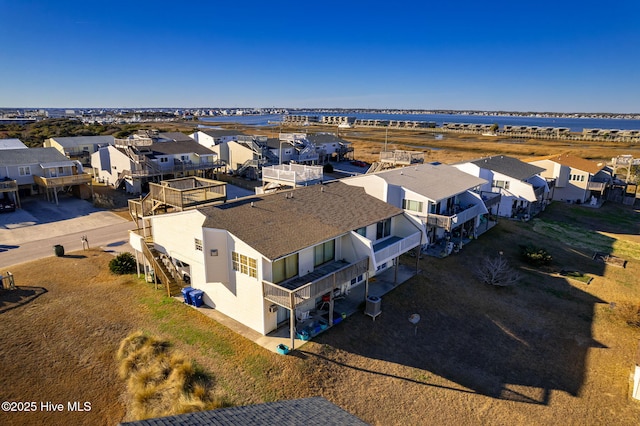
30,233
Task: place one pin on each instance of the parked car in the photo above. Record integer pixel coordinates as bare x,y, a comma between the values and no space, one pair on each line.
7,206
184,269
359,163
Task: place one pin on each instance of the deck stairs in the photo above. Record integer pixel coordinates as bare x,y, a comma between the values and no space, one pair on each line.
164,269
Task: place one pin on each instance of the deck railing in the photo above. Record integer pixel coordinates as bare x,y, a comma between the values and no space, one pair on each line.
316,288
51,182
397,248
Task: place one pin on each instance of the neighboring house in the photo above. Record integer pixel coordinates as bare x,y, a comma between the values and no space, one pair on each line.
24,172
524,193
576,179
212,137
331,147
242,154
79,147
151,157
294,148
12,144
445,200
314,411
266,259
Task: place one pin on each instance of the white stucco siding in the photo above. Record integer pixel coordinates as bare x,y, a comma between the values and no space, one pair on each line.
305,261
175,235
240,297
372,184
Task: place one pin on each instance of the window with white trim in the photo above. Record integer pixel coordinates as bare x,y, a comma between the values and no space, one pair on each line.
383,229
244,264
24,170
501,184
414,206
198,244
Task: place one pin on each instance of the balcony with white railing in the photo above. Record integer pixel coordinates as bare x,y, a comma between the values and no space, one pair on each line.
394,246
458,215
292,174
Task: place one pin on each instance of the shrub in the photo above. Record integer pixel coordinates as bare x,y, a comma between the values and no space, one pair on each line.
124,263
327,168
497,272
535,256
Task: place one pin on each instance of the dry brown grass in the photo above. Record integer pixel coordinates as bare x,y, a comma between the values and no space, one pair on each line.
160,381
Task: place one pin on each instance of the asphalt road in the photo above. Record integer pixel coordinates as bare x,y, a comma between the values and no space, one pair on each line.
30,233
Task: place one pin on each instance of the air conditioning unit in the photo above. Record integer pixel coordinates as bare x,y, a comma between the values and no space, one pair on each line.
273,308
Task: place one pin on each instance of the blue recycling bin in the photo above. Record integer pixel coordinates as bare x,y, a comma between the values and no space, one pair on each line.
196,298
186,295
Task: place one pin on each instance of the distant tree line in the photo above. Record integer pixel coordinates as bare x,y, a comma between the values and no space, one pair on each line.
34,134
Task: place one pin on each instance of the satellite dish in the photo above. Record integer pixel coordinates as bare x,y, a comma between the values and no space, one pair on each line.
414,319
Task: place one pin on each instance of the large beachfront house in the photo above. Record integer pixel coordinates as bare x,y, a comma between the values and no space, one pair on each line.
133,162
524,193
24,172
576,179
445,200
269,260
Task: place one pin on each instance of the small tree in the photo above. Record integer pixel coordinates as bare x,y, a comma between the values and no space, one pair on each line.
494,127
496,271
124,263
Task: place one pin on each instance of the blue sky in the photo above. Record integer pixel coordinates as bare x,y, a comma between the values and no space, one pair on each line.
560,55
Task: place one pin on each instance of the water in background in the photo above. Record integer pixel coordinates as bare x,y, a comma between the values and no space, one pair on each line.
574,124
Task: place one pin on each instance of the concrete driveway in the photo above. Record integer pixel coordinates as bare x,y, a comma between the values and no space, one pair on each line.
31,232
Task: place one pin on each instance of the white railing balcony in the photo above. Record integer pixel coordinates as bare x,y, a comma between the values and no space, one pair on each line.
394,246
295,174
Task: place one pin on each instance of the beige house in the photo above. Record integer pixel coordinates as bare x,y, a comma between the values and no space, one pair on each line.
576,179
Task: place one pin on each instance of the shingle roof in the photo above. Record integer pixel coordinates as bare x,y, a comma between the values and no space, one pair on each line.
315,411
508,166
11,144
435,182
578,163
320,138
19,156
84,140
221,132
174,136
277,226
180,147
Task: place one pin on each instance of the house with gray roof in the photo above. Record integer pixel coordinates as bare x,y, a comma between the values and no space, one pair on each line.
12,144
24,172
79,147
314,411
131,163
446,201
524,192
269,261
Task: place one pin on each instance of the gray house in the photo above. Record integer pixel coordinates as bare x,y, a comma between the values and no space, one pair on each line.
24,172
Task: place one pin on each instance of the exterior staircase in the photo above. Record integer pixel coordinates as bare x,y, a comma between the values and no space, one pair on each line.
164,270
